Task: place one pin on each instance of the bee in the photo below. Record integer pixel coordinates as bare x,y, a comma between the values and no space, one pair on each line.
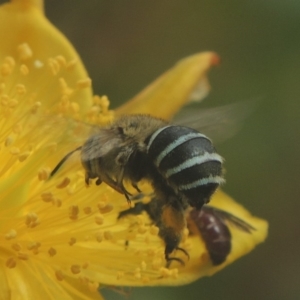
135,147
180,163
209,222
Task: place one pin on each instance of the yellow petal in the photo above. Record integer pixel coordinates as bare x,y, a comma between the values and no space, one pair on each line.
172,90
27,35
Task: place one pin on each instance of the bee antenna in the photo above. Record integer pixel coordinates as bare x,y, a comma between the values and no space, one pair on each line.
53,172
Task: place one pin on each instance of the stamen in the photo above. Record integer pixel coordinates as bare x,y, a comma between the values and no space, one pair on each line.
43,174
61,60
75,269
11,234
73,212
52,252
24,51
22,256
99,237
23,156
99,219
106,208
87,210
84,83
47,197
35,107
64,183
71,64
16,247
11,263
32,220
21,89
6,69
24,70
54,66
59,275
8,141
108,235
72,241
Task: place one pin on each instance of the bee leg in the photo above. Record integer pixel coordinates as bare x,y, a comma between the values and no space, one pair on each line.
170,259
87,178
117,187
98,181
136,210
134,184
184,251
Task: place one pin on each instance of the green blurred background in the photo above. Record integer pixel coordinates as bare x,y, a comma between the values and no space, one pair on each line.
125,44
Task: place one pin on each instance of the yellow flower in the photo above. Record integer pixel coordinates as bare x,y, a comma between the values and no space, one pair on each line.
60,239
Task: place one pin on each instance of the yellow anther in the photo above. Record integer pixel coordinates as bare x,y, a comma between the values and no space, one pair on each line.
71,64
104,104
165,272
16,247
64,183
35,107
87,210
73,212
24,51
108,235
24,70
84,83
10,60
23,156
21,89
22,256
6,69
54,66
65,89
33,245
31,219
47,197
43,174
61,60
75,269
11,234
72,241
52,251
99,237
59,275
57,202
99,219
8,141
11,263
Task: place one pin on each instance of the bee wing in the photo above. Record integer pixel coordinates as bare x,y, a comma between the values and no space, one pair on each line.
98,145
218,123
226,216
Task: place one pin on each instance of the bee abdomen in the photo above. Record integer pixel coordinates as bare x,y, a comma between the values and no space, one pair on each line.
188,161
215,233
